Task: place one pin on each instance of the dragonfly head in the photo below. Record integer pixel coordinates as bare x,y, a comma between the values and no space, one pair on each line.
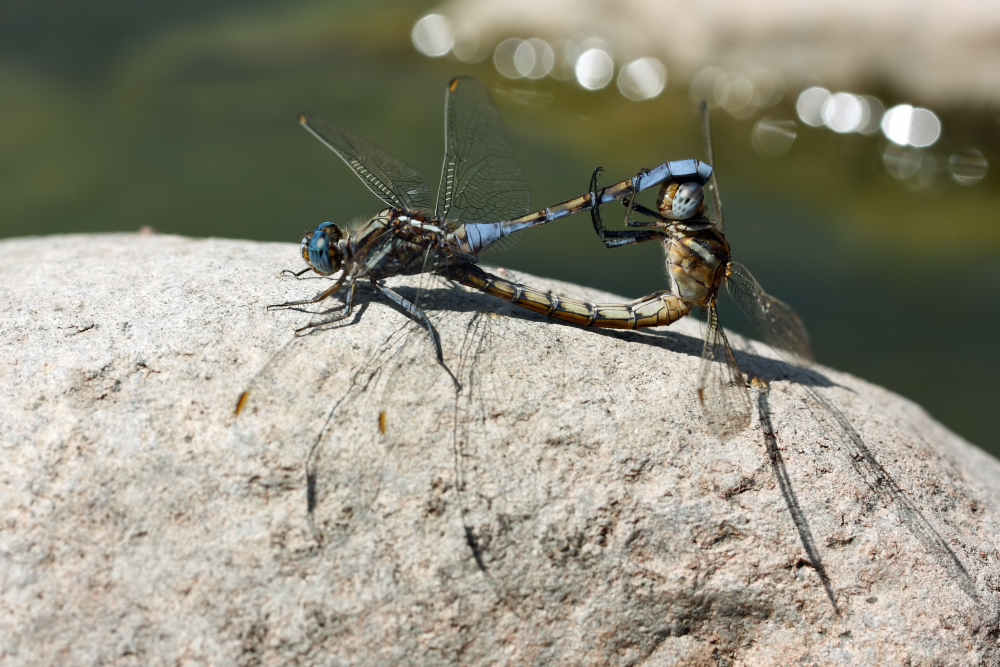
681,202
321,248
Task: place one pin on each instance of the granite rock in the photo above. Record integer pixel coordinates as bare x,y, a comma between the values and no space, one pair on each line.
566,505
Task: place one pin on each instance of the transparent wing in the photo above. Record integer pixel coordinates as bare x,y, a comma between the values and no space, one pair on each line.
721,389
713,182
480,179
393,181
776,322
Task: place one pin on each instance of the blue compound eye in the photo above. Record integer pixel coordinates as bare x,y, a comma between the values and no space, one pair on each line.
320,248
687,200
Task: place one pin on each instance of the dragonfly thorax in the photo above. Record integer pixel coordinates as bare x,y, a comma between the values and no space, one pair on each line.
324,248
697,263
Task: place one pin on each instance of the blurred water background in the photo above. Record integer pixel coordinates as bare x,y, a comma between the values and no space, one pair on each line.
856,143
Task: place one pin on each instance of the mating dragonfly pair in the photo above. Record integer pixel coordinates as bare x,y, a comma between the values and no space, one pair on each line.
483,199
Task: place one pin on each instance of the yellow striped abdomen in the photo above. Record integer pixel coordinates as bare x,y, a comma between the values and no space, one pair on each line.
657,309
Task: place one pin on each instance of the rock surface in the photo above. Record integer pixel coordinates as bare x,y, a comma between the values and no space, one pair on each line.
567,506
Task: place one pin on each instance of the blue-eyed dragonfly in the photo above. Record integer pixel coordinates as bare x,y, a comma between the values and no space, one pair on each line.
482,200
699,262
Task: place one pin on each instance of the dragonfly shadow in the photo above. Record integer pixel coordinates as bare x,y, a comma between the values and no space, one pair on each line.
806,382
448,298
752,364
770,370
788,493
838,428
356,315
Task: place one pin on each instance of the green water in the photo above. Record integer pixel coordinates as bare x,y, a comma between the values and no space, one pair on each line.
181,118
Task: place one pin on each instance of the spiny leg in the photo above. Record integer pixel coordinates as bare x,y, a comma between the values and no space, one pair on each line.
421,317
595,211
617,238
632,205
319,297
348,306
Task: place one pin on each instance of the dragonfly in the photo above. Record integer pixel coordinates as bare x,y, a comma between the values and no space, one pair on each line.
699,263
482,200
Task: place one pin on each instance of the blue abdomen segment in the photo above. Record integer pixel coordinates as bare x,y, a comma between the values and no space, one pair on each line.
474,238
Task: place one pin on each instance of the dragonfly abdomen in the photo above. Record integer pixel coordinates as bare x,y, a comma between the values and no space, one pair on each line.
657,309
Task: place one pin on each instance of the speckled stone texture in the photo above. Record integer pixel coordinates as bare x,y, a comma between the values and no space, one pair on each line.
566,507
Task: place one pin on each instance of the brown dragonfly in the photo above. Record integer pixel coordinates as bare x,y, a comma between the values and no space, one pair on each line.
699,263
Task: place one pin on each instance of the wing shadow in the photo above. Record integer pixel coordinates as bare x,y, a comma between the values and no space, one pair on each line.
788,492
449,297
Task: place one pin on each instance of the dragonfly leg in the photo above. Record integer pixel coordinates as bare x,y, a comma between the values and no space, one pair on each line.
319,297
296,274
348,307
642,210
632,205
412,310
617,238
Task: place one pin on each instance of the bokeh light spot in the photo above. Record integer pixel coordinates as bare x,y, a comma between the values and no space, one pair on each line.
906,125
504,57
642,79
925,128
844,112
594,69
896,124
967,166
533,59
432,35
524,59
810,103
874,110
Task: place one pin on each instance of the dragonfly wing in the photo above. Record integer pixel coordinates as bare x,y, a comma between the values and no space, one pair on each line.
721,388
776,322
480,178
393,181
713,182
